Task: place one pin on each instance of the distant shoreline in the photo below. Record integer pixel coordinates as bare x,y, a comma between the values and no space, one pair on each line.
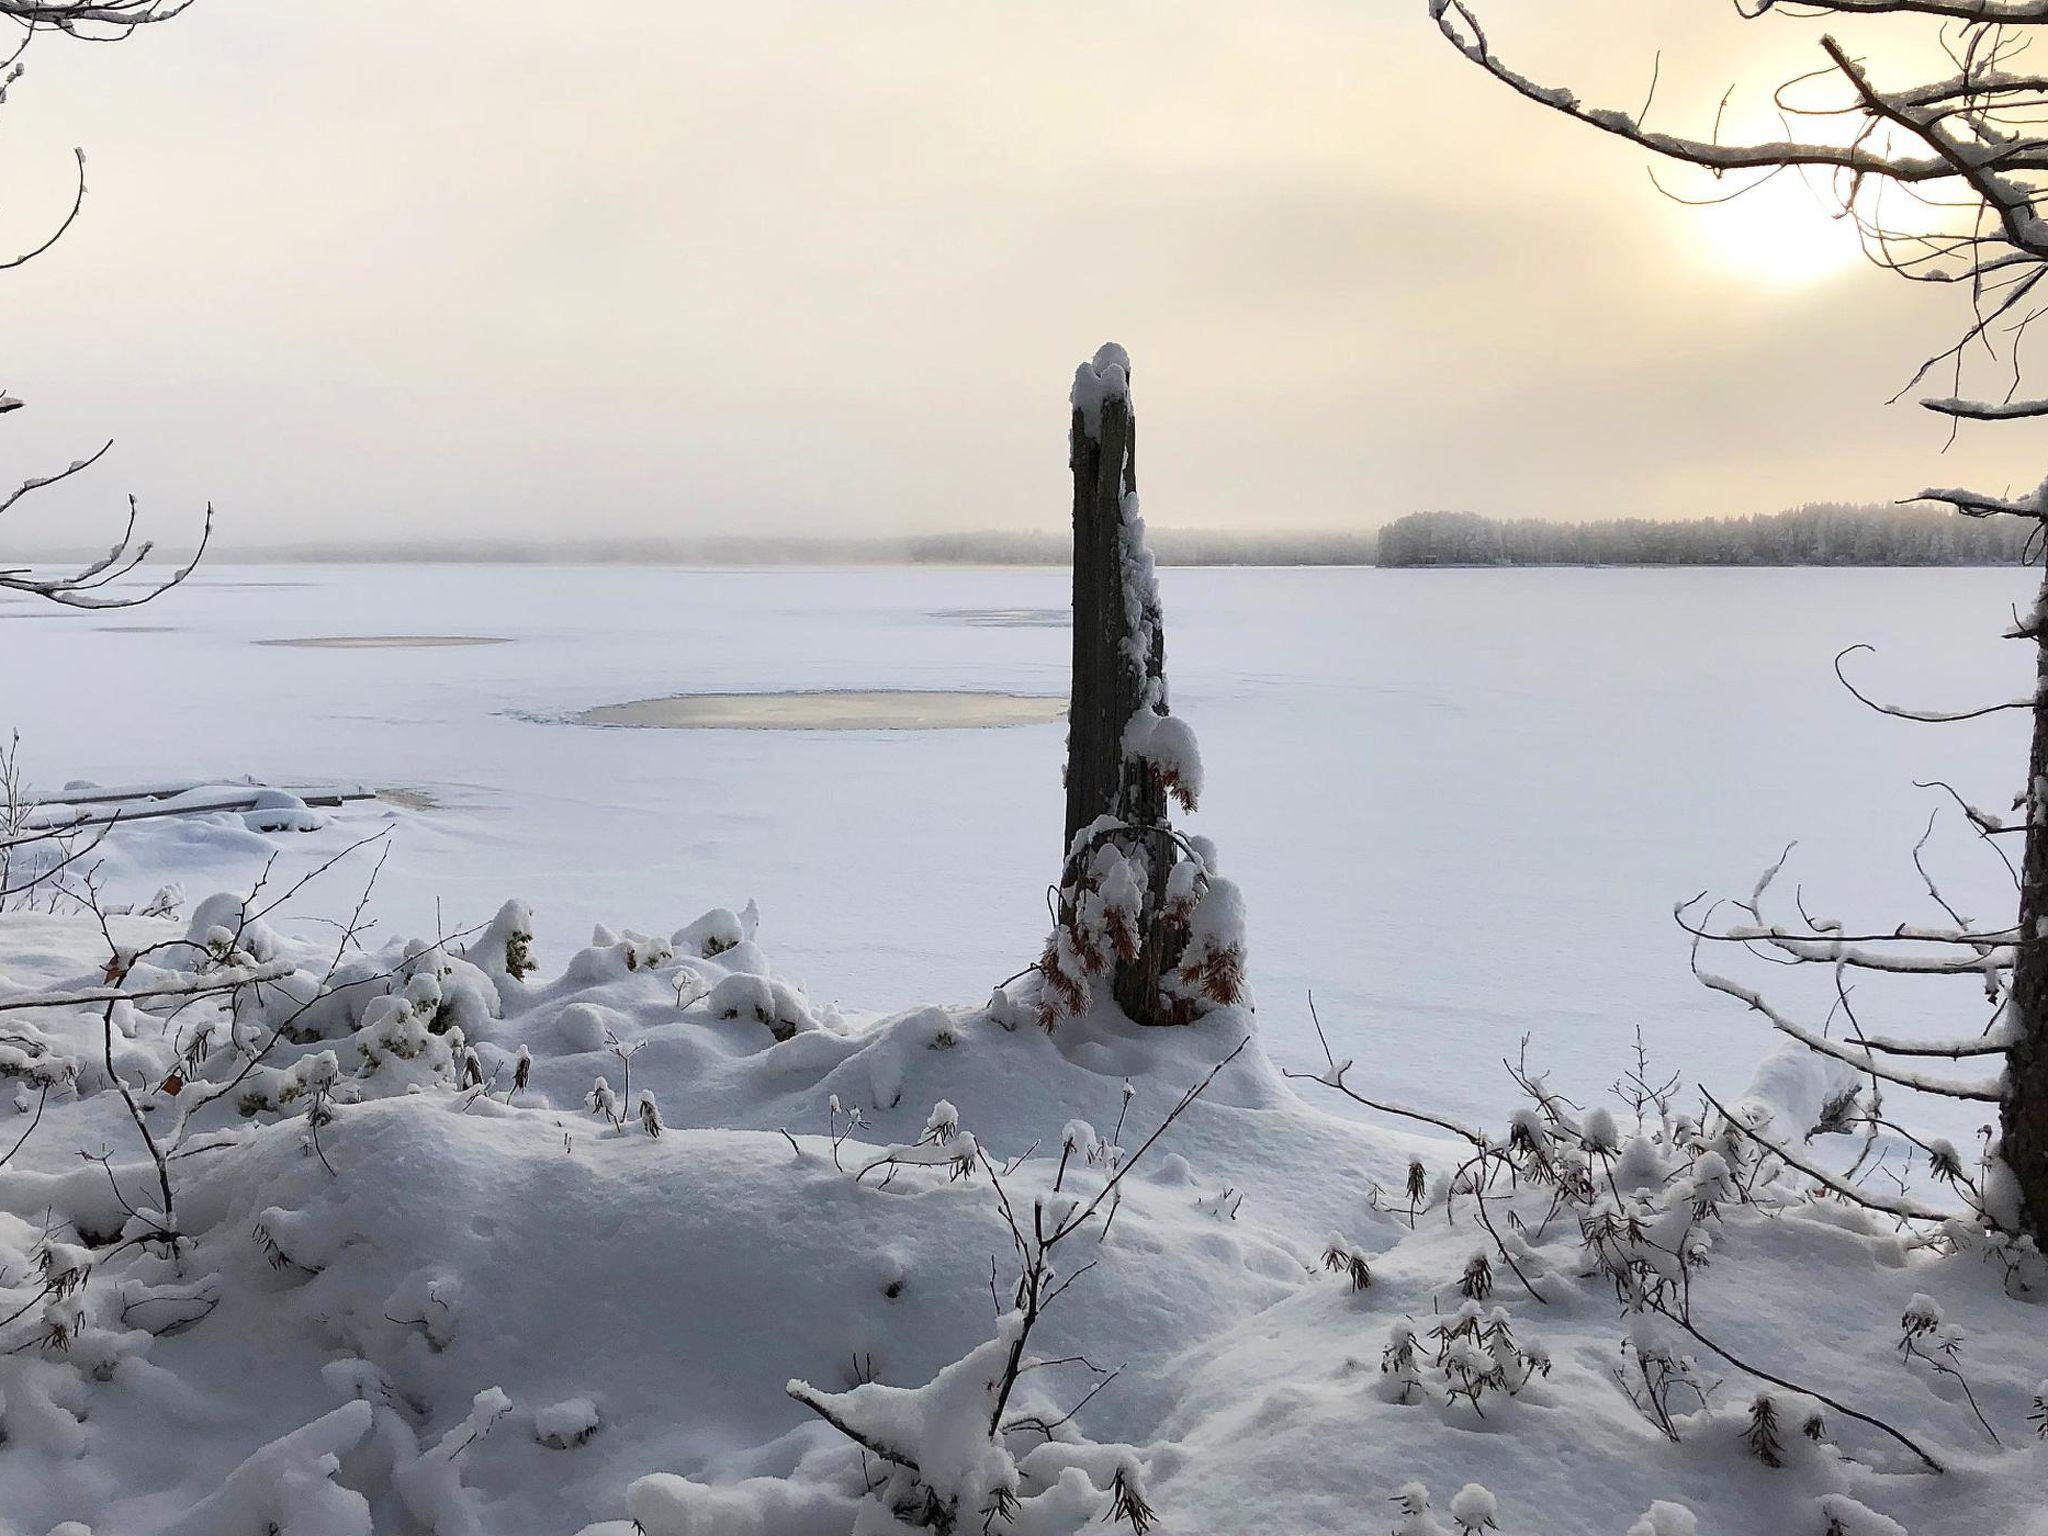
1825,536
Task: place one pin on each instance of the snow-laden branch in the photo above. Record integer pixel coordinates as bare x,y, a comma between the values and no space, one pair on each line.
1332,1076
1831,950
2015,13
1979,504
1861,1060
225,979
90,20
70,218
1987,410
1461,27
1925,716
1904,1206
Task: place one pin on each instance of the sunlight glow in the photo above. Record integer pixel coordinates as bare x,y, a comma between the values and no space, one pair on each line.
1781,232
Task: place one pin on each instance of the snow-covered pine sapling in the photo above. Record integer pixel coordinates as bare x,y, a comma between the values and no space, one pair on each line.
650,1114
1398,1362
1762,1435
601,1100
837,1133
1923,1336
1417,1187
1474,1510
1661,1374
1641,1091
1127,1497
522,1073
2037,1414
1341,1257
1765,1431
1477,1353
625,1053
1476,1283
1413,1517
941,1145
266,1237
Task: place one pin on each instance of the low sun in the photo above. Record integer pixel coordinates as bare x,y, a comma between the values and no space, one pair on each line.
1780,232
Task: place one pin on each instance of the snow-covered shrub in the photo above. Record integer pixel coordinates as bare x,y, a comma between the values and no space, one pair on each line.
1476,1356
1844,1516
1211,972
567,1424
1474,1510
717,931
1341,1257
1412,1505
780,1007
1105,909
398,1034
1664,1518
1166,744
504,950
631,951
1773,1417
273,1088
1399,1362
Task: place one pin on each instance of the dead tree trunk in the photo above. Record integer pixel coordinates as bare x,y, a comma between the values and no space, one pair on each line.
2023,1113
1119,662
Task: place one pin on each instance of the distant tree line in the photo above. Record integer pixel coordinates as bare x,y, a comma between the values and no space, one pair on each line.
1825,533
1170,546
1822,534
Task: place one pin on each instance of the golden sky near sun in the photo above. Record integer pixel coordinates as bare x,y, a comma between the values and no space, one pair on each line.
449,269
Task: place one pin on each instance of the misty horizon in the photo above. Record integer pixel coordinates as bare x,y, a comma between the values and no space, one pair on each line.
713,274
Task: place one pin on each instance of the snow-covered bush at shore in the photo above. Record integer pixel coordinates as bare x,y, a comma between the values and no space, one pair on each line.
395,1274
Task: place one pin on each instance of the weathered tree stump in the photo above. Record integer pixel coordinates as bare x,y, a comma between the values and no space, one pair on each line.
1119,673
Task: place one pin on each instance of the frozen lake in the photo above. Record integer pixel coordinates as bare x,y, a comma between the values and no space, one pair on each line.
1461,803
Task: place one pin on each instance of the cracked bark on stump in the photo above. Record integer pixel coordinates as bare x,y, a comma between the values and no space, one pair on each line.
2023,1115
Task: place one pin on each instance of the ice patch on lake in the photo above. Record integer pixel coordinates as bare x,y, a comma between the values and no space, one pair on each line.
1007,618
384,642
830,710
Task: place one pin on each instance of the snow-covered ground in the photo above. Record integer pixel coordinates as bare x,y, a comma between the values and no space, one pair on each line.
1460,803
403,1308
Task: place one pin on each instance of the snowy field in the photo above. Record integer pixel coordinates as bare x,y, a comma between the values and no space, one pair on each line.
1461,803
705,1222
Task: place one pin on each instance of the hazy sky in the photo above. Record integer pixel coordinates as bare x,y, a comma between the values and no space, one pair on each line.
356,268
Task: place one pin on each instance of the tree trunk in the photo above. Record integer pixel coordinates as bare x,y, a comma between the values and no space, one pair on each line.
1108,689
2023,1116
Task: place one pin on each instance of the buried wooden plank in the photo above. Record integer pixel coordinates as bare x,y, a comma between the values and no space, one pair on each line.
200,800
312,794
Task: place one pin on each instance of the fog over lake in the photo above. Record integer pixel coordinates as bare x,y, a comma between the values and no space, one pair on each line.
1461,803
